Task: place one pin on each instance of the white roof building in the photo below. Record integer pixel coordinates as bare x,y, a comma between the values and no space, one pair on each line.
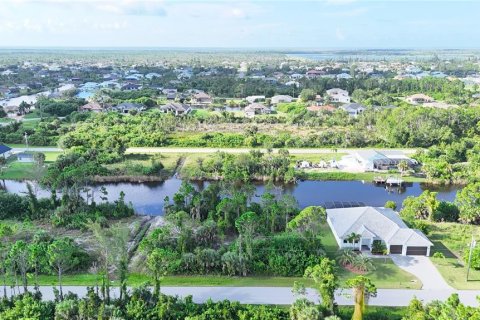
376,224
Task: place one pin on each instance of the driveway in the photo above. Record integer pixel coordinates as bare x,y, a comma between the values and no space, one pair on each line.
423,269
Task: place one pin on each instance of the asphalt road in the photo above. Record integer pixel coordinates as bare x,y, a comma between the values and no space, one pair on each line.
245,150
284,296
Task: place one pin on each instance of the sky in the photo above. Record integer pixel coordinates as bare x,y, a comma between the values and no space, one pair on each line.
316,24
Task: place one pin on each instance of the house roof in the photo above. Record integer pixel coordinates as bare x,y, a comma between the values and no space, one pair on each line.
175,106
383,223
255,106
129,105
202,95
353,106
420,96
321,108
92,106
4,148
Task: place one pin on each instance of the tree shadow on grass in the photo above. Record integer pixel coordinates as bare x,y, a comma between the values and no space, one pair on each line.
137,156
438,246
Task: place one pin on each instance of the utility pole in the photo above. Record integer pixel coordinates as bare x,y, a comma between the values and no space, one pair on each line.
472,245
26,141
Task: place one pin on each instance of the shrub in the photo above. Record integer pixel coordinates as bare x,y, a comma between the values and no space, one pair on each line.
391,204
438,255
475,262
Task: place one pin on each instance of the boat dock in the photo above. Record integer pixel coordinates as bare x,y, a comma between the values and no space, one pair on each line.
390,181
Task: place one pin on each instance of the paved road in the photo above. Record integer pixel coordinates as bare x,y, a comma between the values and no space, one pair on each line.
283,295
38,149
423,268
245,150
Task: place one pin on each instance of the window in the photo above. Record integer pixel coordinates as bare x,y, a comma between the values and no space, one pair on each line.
345,241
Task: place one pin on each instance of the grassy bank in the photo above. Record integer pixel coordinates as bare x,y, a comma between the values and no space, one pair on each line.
347,176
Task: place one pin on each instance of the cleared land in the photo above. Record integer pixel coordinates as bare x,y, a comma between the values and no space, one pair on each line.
452,239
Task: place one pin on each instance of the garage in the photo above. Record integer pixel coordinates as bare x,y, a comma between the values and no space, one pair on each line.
396,249
417,251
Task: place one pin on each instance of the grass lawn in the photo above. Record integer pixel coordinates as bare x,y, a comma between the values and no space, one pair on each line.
22,145
180,281
452,239
24,170
387,275
17,171
316,158
134,162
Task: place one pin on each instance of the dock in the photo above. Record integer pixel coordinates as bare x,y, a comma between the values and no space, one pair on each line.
390,181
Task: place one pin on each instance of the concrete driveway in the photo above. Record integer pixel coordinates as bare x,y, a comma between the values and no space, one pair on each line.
423,269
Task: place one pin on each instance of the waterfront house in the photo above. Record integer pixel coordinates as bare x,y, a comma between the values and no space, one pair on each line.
175,108
201,98
372,224
254,109
281,99
371,160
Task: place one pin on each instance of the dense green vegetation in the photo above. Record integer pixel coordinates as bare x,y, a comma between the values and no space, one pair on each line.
209,234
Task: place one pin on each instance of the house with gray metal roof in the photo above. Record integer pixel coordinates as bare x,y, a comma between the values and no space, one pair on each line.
372,224
5,151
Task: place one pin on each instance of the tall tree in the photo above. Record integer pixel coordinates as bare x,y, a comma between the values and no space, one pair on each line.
61,257
326,281
363,289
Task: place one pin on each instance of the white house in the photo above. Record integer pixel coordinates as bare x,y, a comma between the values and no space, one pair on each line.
175,108
338,95
281,99
254,109
371,160
376,224
353,109
252,99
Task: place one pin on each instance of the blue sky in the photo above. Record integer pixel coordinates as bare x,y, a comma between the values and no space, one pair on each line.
320,24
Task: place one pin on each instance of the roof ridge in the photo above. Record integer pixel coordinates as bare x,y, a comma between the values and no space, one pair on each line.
361,215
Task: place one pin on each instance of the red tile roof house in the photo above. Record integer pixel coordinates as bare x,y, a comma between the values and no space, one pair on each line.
327,108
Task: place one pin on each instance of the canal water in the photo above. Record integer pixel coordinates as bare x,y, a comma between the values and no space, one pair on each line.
147,198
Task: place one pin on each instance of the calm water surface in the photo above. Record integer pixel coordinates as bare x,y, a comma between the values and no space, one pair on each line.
147,198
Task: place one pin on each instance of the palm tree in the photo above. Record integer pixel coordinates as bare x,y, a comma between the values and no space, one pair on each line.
363,263
353,238
346,257
402,167
363,289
